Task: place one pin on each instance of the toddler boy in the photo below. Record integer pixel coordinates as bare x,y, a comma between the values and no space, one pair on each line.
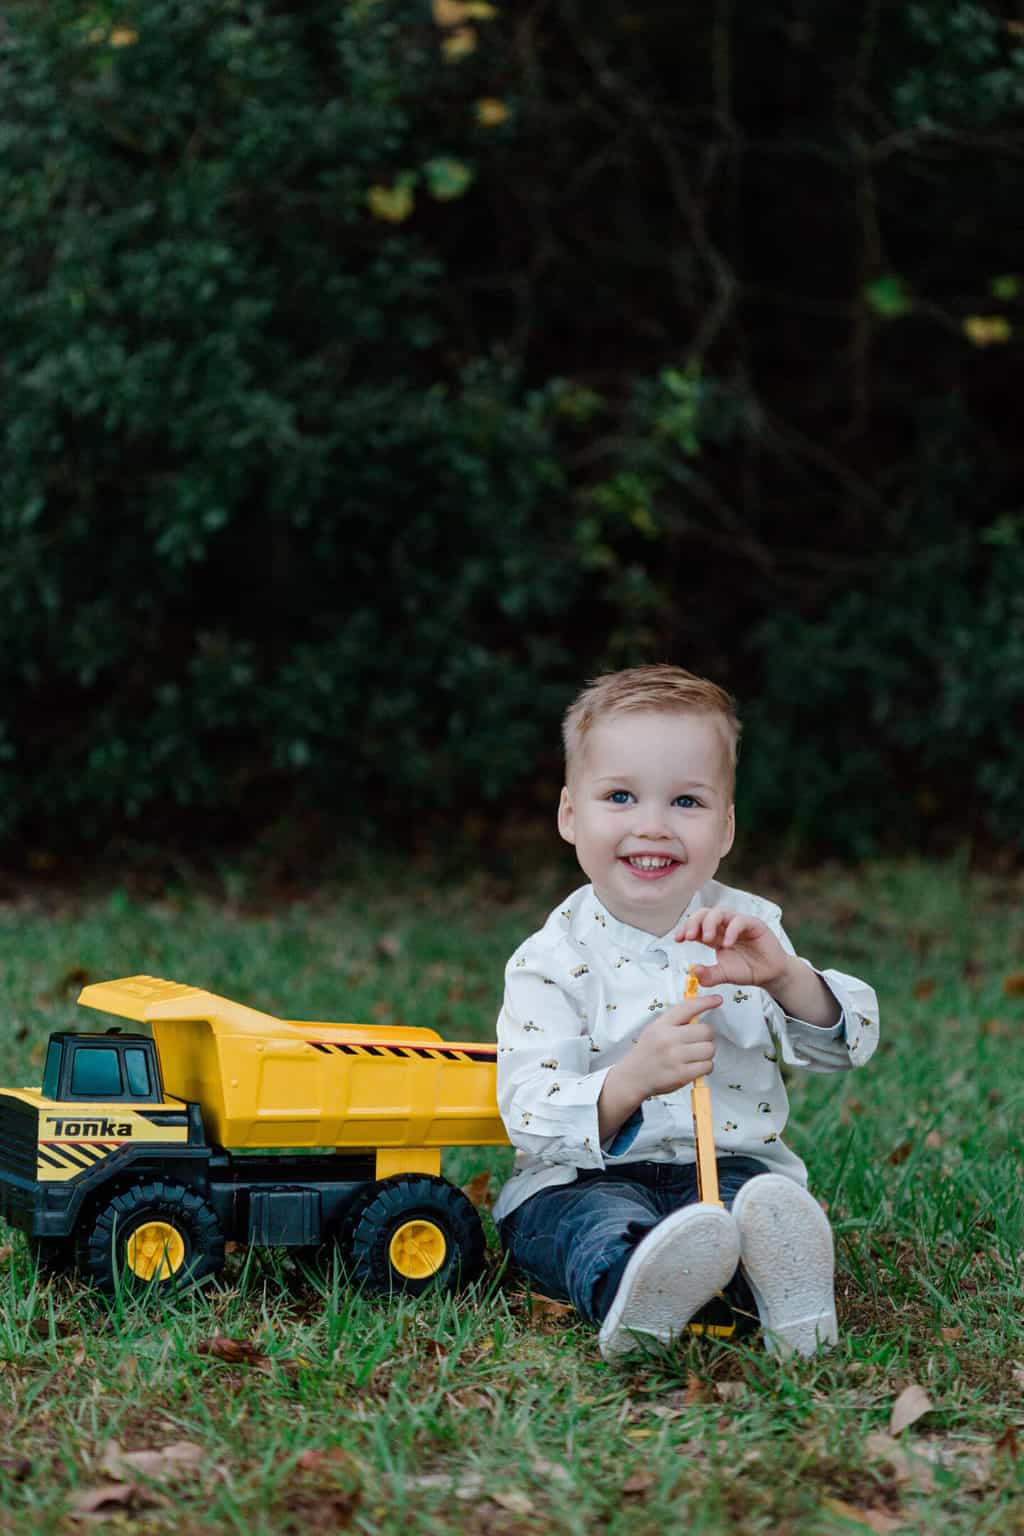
596,1051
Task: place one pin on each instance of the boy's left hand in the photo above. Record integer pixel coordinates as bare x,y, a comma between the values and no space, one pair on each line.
747,950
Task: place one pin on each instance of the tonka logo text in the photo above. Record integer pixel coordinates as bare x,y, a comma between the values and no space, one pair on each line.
100,1129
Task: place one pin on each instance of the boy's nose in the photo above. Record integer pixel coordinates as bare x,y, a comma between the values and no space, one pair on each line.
650,823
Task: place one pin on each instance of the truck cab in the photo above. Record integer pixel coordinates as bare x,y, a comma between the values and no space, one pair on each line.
113,1066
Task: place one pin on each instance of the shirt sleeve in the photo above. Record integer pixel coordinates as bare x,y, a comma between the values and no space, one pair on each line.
547,1095
836,1048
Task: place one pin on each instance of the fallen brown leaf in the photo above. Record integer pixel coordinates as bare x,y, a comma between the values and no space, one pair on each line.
914,1470
900,1153
911,1404
923,989
478,1190
180,1459
871,1519
696,1390
544,1306
235,1351
969,1459
1007,1444
514,1500
73,980
554,1471
638,1482
470,1486
1013,985
108,1498
731,1391
953,1335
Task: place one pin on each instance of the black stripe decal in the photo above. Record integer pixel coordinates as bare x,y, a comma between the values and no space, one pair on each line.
404,1052
44,1157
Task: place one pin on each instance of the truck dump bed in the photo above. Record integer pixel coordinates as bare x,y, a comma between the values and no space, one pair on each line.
268,1082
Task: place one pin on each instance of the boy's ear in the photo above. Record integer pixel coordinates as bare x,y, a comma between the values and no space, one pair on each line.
730,832
566,816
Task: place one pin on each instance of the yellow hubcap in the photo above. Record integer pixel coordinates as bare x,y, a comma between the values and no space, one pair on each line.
155,1251
417,1249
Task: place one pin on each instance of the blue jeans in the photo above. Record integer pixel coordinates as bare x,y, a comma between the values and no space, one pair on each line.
574,1241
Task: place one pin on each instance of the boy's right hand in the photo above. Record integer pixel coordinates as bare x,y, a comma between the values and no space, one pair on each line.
671,1051
674,1049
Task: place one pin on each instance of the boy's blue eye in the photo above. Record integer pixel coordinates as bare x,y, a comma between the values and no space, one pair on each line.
685,801
620,797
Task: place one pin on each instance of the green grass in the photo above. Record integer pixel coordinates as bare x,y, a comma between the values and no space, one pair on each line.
475,1414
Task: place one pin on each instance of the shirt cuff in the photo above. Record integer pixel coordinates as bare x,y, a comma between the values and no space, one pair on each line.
625,1135
835,1031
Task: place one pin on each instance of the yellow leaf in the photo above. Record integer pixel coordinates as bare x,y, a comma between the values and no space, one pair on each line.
490,111
393,204
459,43
985,330
123,37
452,13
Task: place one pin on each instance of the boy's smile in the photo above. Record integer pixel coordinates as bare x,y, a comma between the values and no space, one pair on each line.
649,811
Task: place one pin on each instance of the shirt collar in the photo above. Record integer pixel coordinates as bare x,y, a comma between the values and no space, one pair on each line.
638,940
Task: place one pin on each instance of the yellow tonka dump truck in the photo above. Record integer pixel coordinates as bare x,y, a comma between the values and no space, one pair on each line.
141,1156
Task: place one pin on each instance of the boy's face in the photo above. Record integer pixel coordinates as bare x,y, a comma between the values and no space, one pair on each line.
650,812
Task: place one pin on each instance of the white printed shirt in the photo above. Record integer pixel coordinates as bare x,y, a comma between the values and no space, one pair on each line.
577,995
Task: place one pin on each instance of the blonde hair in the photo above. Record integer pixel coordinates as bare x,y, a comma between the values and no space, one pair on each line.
671,690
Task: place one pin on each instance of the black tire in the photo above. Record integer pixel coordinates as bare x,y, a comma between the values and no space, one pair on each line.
411,1233
178,1240
53,1255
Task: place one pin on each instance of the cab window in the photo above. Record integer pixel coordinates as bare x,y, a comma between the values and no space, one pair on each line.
136,1068
96,1071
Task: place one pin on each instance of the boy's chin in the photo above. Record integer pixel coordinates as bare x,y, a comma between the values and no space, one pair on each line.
655,906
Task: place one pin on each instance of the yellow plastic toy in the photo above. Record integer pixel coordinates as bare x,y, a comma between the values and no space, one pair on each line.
143,1155
703,1126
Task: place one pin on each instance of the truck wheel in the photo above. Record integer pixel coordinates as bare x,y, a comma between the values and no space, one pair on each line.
410,1232
159,1234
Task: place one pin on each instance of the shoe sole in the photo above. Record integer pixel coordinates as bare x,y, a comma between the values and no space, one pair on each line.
678,1266
788,1258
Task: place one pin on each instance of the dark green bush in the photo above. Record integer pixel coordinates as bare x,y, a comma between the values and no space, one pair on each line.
373,373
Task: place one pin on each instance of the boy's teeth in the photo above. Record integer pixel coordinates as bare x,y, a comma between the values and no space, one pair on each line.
649,861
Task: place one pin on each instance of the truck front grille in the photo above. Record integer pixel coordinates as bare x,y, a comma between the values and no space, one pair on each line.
19,1132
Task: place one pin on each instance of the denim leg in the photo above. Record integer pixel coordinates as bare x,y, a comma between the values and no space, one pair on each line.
573,1242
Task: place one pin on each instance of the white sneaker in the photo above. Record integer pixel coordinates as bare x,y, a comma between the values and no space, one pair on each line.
672,1272
787,1256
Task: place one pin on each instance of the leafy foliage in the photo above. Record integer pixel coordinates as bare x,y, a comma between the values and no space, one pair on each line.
373,373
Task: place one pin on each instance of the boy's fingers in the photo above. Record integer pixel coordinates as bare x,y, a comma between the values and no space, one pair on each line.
709,975
691,927
737,927
695,1006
